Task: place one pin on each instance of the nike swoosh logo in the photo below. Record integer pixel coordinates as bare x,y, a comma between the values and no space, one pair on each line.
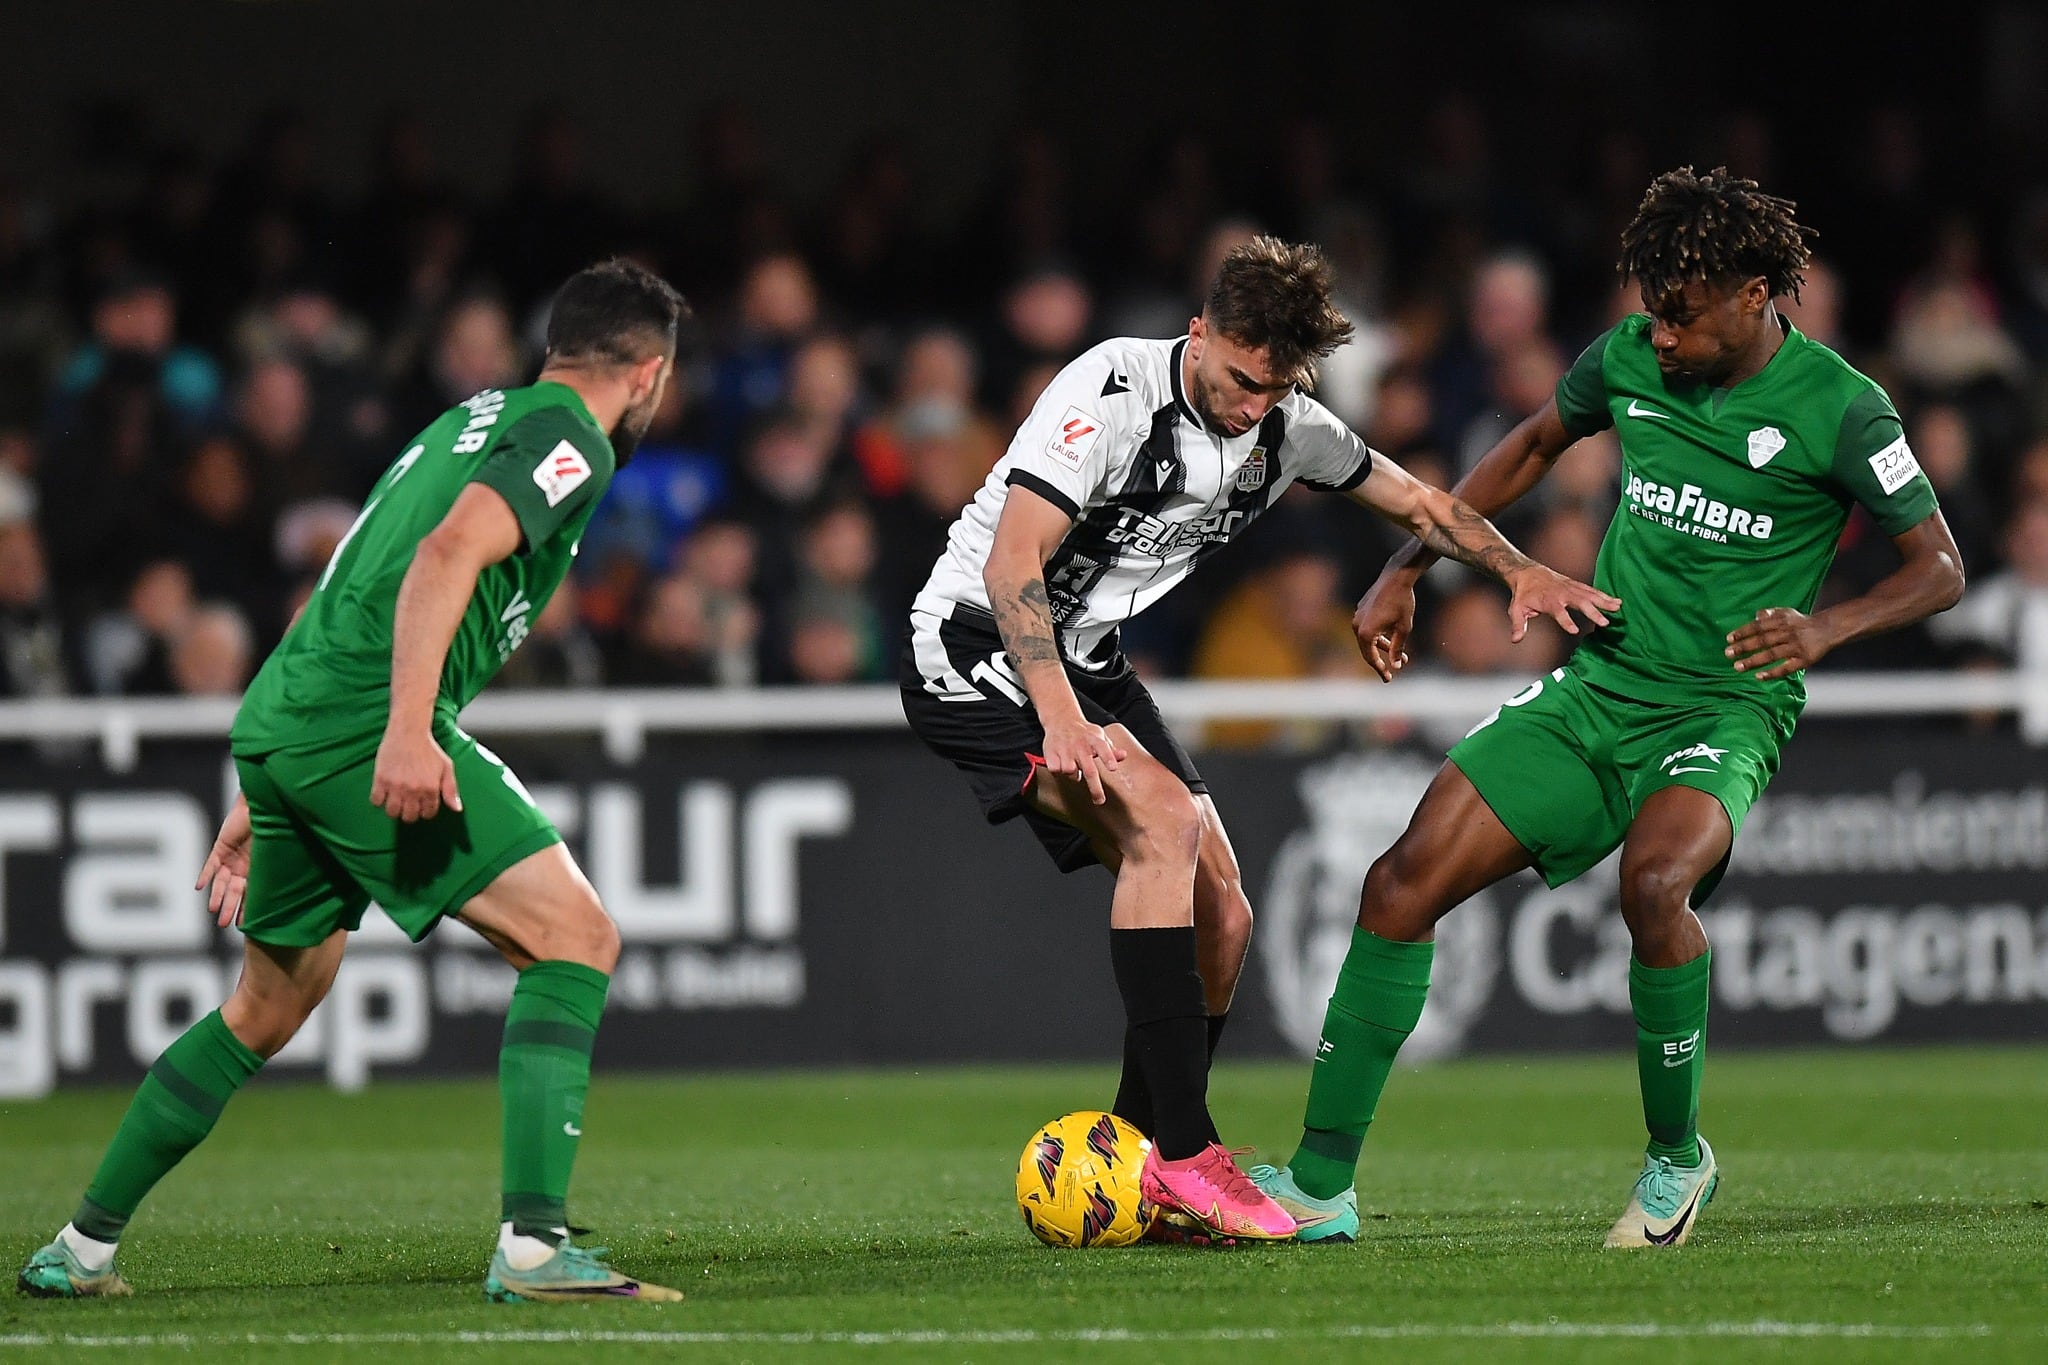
1634,410
1684,1217
572,1130
1670,1062
1676,771
1308,1218
1678,1228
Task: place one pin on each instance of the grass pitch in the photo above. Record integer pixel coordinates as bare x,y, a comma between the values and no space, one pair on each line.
1874,1206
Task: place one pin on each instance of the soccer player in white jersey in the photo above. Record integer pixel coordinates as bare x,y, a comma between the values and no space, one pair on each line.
1140,460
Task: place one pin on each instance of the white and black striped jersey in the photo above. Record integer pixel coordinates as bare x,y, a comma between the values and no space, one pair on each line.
1115,441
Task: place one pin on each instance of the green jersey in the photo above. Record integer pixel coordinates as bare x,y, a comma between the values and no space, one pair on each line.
1732,500
539,448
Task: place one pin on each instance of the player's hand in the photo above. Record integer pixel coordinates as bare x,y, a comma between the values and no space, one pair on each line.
1779,642
225,878
1080,751
414,778
1382,621
1540,591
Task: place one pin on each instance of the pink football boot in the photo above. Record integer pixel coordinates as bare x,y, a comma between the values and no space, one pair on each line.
1212,1190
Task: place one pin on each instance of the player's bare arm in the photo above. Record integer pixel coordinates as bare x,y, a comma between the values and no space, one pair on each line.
1929,580
1517,463
1447,526
1030,530
414,776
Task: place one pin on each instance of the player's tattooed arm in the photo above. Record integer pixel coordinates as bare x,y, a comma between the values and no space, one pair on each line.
1028,532
1462,534
1024,618
1516,464
1447,525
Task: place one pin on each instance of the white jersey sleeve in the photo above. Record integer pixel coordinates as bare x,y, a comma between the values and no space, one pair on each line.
1328,454
1065,448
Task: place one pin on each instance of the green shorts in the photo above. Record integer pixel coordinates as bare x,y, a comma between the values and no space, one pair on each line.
1566,766
322,852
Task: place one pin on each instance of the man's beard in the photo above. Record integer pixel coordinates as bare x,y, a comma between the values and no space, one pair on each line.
626,436
1198,398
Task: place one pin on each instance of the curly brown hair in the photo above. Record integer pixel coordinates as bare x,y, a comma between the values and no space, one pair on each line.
1274,296
1715,227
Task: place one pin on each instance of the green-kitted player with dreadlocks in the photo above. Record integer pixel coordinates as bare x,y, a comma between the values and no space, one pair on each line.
1744,445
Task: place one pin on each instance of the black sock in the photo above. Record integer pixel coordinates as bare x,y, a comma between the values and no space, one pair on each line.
1216,1023
1134,1098
1168,1031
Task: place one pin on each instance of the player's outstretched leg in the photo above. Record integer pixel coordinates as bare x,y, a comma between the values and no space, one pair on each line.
1679,837
1454,846
1679,1175
1150,831
1187,1171
176,1107
1378,1000
544,916
1223,934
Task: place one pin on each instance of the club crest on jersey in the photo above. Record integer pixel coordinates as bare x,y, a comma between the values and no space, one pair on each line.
1764,442
561,473
1251,475
1074,437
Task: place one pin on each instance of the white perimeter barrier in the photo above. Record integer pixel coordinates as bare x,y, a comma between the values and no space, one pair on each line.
625,717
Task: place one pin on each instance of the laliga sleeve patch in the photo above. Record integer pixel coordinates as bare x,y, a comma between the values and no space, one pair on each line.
1076,435
561,473
1894,466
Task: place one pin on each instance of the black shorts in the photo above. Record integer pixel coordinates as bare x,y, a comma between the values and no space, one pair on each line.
965,702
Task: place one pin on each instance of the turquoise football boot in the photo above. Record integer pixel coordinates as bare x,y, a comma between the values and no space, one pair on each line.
1666,1202
55,1273
1315,1220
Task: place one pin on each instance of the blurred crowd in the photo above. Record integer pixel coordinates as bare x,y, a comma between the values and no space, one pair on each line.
204,365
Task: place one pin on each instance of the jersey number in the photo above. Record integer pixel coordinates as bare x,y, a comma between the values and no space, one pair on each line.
398,470
998,672
1521,698
511,778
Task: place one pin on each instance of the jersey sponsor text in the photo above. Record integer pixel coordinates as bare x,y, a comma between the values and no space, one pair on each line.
1894,466
1688,509
484,409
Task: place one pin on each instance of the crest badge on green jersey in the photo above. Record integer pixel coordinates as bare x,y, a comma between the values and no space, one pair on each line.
1764,442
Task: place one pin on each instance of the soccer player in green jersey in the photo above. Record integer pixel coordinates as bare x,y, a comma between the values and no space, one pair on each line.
1744,446
358,785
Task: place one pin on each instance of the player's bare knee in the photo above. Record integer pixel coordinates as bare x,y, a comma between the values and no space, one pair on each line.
1653,897
592,939
1653,888
1181,817
264,1021
1394,889
1166,823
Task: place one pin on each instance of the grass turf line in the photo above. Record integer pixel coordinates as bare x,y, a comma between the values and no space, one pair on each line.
1895,1202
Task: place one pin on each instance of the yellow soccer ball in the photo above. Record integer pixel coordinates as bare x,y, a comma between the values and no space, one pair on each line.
1077,1182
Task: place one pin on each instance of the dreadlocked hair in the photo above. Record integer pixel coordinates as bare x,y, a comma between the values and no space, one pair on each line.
1715,227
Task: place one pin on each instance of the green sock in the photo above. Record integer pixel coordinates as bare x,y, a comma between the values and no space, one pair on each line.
173,1110
543,1075
1671,1048
1375,1007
